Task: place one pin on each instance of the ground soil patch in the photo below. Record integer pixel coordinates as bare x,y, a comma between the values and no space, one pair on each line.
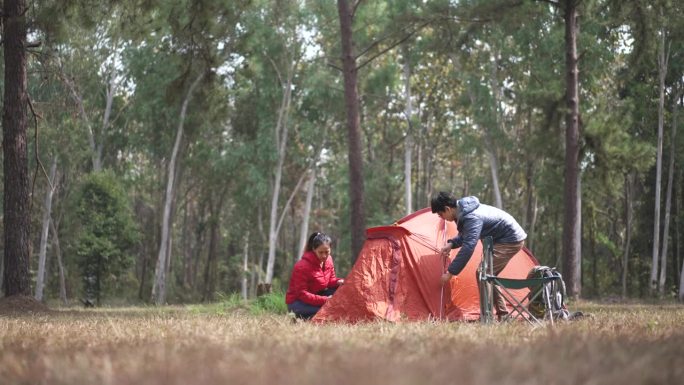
22,305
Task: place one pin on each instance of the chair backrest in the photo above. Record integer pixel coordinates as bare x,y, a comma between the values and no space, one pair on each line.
555,293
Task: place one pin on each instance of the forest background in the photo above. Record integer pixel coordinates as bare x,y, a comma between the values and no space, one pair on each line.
182,151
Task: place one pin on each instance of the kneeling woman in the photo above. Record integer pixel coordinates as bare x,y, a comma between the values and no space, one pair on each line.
313,278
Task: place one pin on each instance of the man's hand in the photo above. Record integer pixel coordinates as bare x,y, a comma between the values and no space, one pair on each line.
446,277
340,282
446,250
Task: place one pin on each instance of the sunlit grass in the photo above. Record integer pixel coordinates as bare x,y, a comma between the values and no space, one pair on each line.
229,343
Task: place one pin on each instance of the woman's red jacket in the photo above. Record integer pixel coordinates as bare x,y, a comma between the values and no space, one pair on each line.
309,278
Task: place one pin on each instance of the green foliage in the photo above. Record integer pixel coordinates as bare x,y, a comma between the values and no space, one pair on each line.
273,302
107,233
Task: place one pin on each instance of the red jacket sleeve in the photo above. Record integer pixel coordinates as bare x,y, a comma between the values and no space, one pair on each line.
299,287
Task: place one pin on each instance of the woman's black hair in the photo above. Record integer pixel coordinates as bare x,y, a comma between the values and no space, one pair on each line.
441,201
316,239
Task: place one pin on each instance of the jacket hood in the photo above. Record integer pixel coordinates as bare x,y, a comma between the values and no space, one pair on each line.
467,205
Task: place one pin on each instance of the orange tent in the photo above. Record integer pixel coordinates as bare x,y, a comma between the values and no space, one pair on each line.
397,276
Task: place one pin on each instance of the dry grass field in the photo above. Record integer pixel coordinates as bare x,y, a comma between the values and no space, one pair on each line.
617,344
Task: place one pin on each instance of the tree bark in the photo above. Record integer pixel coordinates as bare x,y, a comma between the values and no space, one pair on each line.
212,258
498,118
47,214
245,267
351,101
408,143
629,214
304,233
281,133
677,244
668,201
662,72
159,288
60,264
16,279
571,233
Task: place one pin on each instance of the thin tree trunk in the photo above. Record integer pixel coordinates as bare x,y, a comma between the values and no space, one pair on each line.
47,214
594,257
109,100
185,245
16,279
60,264
668,200
199,242
304,233
351,101
159,288
97,162
629,214
677,244
245,267
2,272
679,197
408,143
662,72
281,133
491,149
571,233
210,268
260,265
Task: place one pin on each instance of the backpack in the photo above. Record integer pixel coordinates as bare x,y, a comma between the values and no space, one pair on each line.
555,291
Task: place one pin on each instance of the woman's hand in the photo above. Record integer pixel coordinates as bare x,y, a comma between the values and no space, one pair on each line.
340,282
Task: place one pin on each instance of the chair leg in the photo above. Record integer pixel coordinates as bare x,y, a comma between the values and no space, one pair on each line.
486,316
519,307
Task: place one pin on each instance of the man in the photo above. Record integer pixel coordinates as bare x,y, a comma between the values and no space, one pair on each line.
476,221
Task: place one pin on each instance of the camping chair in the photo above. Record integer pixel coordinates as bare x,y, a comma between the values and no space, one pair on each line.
543,289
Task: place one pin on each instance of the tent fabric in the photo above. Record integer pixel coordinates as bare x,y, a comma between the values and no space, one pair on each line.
396,276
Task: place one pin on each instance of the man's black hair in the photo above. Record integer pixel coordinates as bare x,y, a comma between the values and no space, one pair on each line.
441,201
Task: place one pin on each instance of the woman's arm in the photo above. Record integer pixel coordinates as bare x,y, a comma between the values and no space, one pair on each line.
299,279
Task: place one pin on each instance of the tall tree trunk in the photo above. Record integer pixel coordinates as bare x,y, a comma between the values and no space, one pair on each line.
668,200
159,288
60,264
281,133
677,244
408,143
47,214
629,214
78,99
245,268
304,233
16,279
212,258
662,73
488,148
498,118
676,277
594,257
351,101
571,233
531,209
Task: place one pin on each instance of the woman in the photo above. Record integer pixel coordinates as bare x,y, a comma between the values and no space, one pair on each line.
313,278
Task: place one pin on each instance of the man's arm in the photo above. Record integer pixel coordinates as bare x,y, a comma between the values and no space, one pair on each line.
468,240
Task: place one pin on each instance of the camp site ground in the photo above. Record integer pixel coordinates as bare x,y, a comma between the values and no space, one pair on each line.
219,344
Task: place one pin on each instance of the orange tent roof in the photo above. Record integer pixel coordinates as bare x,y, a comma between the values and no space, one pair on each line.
397,276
